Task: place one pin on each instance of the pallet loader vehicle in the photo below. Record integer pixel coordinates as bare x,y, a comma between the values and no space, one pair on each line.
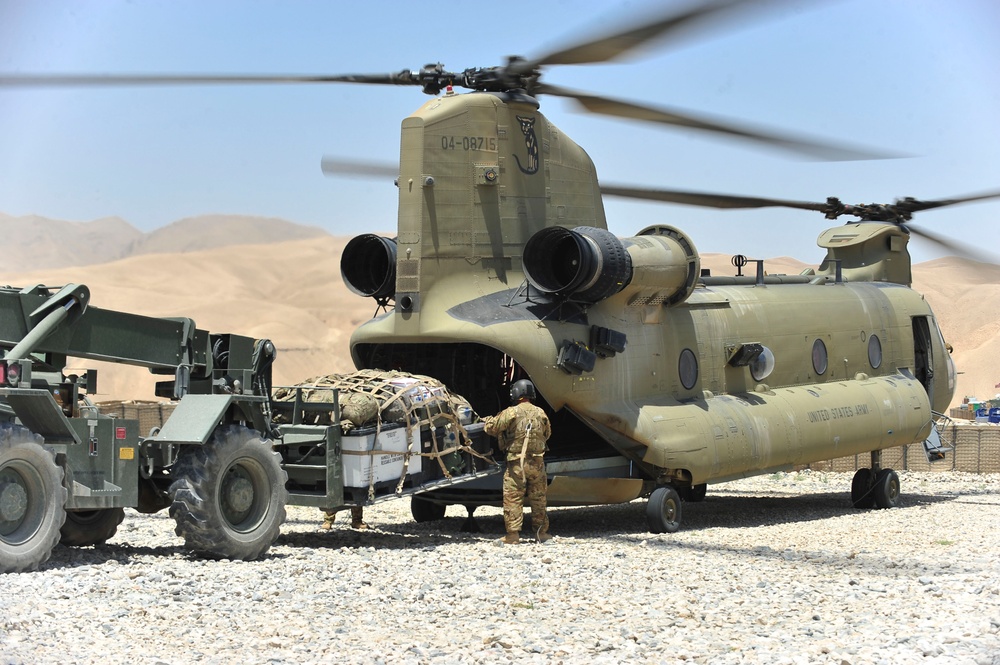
219,463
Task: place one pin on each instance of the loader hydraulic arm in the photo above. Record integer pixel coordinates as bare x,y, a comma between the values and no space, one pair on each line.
65,307
55,323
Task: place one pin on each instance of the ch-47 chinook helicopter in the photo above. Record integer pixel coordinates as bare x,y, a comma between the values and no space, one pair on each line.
659,379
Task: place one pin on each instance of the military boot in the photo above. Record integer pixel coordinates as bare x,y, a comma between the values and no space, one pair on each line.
512,538
543,536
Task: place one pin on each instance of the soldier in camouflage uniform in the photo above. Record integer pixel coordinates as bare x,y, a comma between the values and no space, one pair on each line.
522,431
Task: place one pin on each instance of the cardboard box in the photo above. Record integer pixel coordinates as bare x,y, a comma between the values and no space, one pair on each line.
367,460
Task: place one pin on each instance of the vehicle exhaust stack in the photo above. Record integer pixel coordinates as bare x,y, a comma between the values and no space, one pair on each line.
589,264
368,266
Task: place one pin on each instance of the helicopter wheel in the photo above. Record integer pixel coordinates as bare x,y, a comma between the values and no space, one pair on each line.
886,489
863,489
424,510
663,510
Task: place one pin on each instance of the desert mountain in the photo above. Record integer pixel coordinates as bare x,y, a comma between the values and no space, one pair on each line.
207,231
50,243
297,299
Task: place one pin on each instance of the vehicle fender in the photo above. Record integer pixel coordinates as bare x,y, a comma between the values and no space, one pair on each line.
197,416
38,411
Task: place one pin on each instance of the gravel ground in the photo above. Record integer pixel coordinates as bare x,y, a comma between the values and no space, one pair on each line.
776,569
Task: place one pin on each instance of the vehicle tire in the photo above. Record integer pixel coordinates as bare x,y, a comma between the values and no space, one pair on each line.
862,490
663,510
886,489
228,496
90,527
424,510
32,500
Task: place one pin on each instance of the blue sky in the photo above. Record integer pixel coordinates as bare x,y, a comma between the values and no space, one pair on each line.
912,76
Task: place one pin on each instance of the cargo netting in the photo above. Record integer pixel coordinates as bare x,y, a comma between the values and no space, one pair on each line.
375,398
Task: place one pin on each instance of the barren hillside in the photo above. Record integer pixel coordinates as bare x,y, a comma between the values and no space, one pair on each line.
290,293
193,234
53,243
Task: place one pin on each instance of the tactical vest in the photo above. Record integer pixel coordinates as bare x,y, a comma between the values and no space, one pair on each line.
529,428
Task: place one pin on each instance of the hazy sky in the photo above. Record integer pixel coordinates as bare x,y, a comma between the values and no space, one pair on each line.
911,76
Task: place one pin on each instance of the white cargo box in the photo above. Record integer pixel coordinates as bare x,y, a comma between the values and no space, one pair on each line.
363,456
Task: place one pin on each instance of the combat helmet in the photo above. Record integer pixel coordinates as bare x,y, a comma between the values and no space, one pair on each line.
522,388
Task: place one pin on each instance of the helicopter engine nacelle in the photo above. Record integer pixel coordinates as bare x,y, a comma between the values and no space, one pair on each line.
368,266
589,264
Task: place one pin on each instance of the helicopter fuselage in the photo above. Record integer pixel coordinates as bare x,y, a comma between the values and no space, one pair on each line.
503,268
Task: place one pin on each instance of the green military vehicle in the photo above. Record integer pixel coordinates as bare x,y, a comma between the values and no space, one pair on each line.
219,462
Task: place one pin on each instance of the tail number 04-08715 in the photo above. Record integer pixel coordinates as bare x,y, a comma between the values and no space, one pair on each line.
468,143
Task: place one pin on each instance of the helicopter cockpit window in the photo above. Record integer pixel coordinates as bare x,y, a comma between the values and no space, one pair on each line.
687,367
820,358
874,351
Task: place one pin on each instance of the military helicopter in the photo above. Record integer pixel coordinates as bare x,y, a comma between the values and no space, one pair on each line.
660,378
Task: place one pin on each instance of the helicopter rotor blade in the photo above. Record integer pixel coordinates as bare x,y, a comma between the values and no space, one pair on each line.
126,80
613,46
335,166
800,146
911,205
707,199
832,208
952,247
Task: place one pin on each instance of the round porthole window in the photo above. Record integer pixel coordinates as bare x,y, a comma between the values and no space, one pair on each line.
763,365
820,359
874,351
687,367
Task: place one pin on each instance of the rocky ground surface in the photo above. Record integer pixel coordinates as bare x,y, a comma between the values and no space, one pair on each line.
776,569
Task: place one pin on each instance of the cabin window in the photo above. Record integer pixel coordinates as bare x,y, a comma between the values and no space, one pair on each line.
763,365
874,351
820,358
687,367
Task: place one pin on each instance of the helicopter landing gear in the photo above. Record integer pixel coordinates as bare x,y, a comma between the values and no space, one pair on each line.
663,510
862,495
425,510
693,494
470,525
875,486
886,489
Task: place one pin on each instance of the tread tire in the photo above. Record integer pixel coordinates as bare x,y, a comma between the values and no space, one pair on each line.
90,527
30,474
228,496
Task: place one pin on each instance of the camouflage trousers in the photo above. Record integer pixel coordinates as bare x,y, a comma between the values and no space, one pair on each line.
516,486
357,516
